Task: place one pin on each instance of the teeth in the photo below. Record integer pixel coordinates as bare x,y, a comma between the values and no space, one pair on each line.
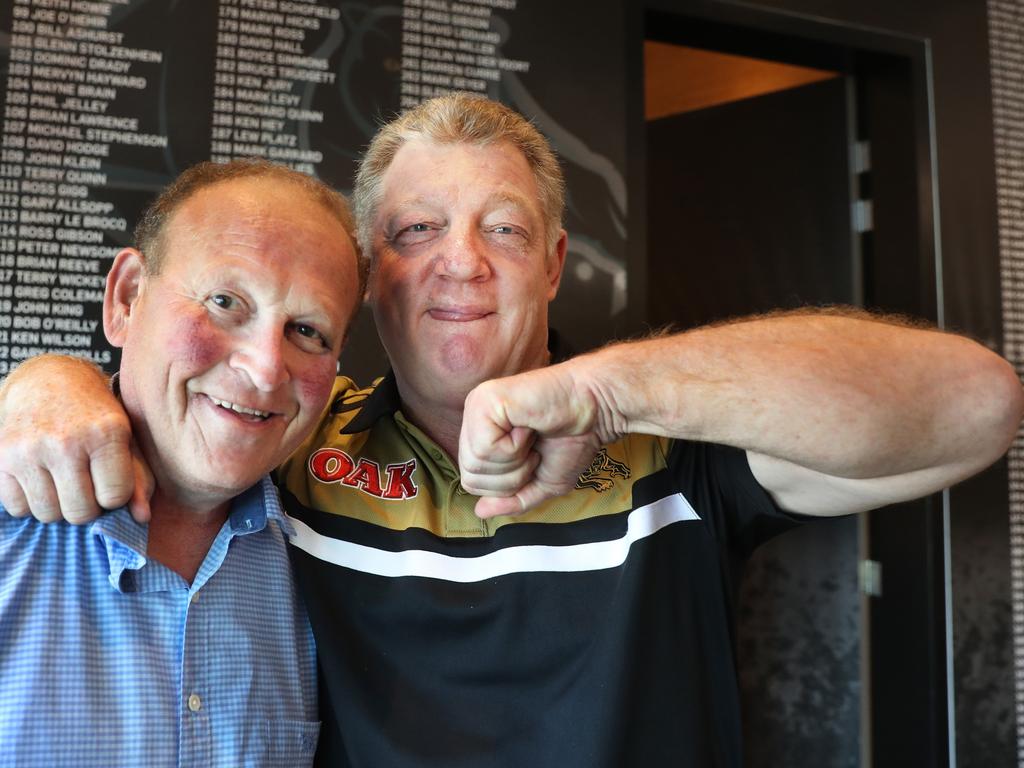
240,408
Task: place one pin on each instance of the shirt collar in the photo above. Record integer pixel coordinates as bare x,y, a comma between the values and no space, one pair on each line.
125,540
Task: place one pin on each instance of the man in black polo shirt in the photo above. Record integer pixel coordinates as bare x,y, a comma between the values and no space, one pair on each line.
578,611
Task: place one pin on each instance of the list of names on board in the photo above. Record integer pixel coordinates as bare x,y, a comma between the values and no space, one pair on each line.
105,101
265,78
66,71
452,46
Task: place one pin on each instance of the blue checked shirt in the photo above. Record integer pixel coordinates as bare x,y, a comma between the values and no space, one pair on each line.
108,659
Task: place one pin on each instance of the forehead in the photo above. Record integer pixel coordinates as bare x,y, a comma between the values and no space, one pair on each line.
256,214
266,228
428,171
258,203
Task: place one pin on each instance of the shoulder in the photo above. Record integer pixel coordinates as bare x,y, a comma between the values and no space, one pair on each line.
350,414
21,539
348,399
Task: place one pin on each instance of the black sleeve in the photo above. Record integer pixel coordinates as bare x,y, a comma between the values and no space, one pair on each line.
717,481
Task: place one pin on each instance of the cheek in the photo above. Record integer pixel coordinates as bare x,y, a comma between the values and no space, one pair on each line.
391,280
313,382
172,336
195,343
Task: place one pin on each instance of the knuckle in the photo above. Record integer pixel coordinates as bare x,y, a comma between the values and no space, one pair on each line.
111,495
111,429
58,446
45,514
14,504
16,449
78,515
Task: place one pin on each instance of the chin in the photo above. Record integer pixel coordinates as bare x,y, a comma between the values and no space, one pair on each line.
230,481
464,357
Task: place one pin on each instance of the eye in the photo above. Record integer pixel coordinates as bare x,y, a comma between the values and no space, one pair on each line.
418,232
508,229
307,330
307,337
224,301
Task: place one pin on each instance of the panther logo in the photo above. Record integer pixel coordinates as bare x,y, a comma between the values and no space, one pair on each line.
601,471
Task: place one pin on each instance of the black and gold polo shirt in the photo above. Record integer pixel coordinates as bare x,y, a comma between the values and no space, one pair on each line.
595,631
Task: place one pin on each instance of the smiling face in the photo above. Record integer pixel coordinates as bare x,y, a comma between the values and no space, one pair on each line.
461,275
229,352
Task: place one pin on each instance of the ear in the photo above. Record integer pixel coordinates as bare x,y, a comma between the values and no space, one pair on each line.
556,263
124,285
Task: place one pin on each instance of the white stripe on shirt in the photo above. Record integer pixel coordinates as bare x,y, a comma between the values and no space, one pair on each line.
592,556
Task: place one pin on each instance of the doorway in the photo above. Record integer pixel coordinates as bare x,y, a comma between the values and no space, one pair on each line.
787,163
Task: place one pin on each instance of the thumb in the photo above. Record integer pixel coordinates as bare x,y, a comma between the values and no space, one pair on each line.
145,485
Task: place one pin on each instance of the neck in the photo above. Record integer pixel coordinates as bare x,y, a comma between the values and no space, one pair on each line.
180,534
441,422
441,419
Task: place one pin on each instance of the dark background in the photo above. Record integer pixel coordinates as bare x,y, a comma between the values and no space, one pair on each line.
804,629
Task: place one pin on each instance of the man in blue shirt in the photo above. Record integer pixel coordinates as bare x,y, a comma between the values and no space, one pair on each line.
182,642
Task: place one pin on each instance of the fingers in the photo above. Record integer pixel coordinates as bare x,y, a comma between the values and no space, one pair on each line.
528,496
39,495
76,501
145,485
112,472
61,491
501,480
496,506
524,440
550,470
53,474
63,435
11,496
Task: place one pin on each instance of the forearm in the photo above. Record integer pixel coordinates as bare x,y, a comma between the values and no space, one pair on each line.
846,396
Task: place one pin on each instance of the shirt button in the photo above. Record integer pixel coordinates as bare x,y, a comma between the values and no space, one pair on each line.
195,598
194,703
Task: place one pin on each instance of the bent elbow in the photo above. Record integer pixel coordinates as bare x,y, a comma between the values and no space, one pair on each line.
1003,407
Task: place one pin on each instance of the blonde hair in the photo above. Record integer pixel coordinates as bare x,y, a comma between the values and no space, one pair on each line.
459,118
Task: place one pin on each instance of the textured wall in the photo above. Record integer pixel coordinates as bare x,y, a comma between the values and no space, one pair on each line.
799,649
1006,35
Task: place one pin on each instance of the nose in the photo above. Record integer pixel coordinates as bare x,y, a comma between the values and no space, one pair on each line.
260,355
463,257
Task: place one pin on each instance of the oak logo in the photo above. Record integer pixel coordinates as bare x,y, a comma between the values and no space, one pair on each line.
601,472
329,465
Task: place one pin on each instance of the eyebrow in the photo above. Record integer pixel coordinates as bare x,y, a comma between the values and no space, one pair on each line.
510,198
405,202
501,197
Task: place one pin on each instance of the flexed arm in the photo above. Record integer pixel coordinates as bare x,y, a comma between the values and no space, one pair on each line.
837,412
65,444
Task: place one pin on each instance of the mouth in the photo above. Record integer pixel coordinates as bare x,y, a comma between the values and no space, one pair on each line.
249,414
458,315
